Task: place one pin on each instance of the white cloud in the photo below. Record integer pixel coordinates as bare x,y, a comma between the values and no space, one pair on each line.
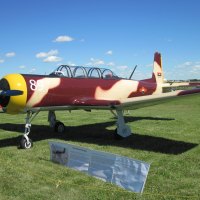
63,38
99,62
52,59
32,70
123,67
149,65
2,61
186,70
71,63
109,52
187,65
22,66
111,64
96,62
184,65
52,52
139,75
10,54
195,69
41,55
50,56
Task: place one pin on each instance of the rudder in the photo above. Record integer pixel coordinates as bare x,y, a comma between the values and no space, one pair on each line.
157,74
157,68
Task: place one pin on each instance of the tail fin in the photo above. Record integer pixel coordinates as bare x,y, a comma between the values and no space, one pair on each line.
157,69
157,74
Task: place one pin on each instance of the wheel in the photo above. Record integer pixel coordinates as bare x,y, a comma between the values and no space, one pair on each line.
24,144
59,127
117,136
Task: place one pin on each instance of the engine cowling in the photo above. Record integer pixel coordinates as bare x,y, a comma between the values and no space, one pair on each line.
13,104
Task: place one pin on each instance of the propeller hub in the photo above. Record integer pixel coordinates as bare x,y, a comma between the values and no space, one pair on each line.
4,86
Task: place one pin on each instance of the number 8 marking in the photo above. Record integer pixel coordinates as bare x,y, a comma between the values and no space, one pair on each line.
35,85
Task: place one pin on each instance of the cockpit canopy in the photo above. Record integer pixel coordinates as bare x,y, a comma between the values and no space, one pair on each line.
83,72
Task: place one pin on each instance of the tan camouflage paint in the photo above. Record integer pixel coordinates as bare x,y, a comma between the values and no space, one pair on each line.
45,85
120,90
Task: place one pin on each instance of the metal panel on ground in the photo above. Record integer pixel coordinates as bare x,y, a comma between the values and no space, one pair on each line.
125,172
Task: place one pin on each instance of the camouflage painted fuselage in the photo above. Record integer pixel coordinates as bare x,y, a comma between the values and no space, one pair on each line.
47,91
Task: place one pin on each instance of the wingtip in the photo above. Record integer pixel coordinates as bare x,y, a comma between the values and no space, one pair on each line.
187,92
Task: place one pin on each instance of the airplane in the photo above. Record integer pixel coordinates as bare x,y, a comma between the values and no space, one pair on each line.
77,87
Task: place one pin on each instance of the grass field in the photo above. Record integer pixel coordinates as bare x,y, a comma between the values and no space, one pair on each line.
165,135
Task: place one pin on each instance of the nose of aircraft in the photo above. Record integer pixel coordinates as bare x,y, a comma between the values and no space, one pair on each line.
6,93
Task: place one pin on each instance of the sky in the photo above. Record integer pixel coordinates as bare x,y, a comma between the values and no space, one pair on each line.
36,36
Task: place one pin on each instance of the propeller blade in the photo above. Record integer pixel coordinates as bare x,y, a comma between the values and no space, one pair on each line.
10,92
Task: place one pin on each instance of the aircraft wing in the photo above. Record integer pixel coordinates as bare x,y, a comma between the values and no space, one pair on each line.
139,102
184,84
128,103
134,102
180,86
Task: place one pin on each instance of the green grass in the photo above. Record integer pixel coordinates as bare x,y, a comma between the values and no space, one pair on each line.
165,135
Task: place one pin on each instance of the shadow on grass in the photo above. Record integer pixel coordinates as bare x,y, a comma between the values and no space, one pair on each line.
98,134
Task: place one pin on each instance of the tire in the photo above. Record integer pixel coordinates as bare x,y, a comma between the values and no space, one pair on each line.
24,144
59,127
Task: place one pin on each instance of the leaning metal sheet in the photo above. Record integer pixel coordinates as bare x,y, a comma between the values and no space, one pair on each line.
125,172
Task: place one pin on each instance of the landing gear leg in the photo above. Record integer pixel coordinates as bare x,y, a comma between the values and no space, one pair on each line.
58,126
26,142
122,129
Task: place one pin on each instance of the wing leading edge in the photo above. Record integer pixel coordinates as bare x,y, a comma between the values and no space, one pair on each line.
128,103
134,102
144,101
